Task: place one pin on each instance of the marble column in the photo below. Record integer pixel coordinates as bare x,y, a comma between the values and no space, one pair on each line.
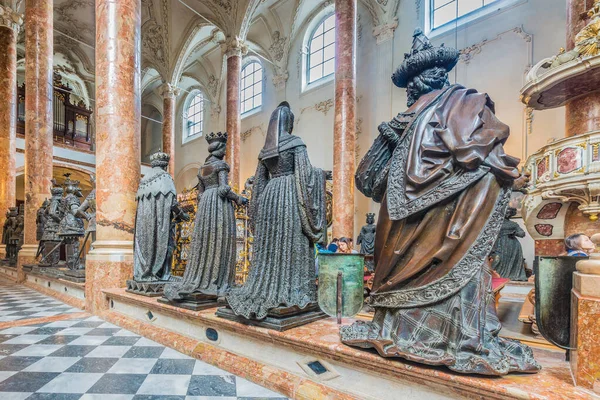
169,95
344,125
233,52
585,324
118,154
10,23
38,118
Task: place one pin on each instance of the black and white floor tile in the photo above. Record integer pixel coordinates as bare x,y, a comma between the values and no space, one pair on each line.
18,302
92,359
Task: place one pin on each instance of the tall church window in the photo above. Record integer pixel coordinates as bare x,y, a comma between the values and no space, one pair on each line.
321,51
251,86
194,115
443,12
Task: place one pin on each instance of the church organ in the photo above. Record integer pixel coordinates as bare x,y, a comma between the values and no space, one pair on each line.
72,122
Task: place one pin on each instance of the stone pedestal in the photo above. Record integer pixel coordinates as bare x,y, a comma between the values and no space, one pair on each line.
26,256
10,23
585,323
118,113
344,123
169,95
38,118
234,51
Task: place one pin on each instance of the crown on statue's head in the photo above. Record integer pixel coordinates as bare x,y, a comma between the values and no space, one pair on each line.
57,189
371,215
159,159
216,137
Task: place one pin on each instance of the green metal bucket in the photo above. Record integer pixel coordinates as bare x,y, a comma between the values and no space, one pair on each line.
341,284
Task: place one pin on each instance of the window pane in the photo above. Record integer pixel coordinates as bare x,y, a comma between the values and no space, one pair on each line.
257,88
467,6
444,15
329,22
328,67
316,58
438,3
251,85
258,76
315,73
329,37
316,44
329,52
258,100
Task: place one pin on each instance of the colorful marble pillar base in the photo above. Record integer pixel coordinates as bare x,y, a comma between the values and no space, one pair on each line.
169,95
10,23
38,114
26,256
109,265
118,113
344,125
582,114
585,330
233,51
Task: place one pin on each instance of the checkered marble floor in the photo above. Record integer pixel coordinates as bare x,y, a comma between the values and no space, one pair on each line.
88,358
18,302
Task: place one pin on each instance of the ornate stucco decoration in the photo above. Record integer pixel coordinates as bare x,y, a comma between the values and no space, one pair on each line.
249,132
153,42
468,53
66,21
277,48
10,19
385,32
166,90
567,170
234,46
280,80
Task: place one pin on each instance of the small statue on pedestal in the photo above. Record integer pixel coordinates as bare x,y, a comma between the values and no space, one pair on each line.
288,217
210,270
444,181
154,240
509,262
12,236
6,228
40,220
51,242
71,227
366,240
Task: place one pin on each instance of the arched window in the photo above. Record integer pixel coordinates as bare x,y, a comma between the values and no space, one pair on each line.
251,86
443,12
321,51
194,115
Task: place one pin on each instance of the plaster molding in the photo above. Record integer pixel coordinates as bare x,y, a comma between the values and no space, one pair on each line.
468,53
10,19
385,32
280,80
234,47
322,106
249,132
168,91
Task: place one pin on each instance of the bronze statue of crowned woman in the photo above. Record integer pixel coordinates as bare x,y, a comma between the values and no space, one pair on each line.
444,182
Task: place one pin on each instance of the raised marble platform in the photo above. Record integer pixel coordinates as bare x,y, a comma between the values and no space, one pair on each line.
72,293
310,362
8,273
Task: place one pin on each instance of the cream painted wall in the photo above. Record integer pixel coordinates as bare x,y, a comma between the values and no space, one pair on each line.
504,44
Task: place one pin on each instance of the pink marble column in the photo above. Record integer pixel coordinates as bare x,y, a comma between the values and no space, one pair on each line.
118,113
10,23
169,95
38,117
233,53
344,125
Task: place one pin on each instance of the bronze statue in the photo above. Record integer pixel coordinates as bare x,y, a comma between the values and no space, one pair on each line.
210,270
40,220
154,238
71,227
12,235
6,228
508,260
366,240
51,242
444,182
287,214
87,210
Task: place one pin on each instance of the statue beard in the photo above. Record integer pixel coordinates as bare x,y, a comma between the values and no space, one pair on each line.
427,81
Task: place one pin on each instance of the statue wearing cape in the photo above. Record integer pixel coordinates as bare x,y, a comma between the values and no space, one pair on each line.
444,182
287,213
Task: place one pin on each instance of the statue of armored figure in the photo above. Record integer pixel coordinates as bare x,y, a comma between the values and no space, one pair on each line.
12,235
51,242
87,210
444,182
154,239
6,228
71,227
288,217
40,220
366,240
210,271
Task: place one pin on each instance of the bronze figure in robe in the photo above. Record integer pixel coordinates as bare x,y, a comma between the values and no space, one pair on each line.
444,181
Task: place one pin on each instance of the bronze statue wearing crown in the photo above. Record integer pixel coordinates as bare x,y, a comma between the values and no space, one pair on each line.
210,270
71,227
50,243
154,239
444,182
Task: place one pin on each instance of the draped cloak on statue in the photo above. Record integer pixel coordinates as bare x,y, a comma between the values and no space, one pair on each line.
444,182
154,237
288,217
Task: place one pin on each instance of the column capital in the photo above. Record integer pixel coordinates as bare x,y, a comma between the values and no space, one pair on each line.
385,32
10,19
234,46
168,91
